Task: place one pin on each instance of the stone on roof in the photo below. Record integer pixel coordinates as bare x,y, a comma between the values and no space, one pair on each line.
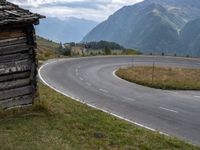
11,13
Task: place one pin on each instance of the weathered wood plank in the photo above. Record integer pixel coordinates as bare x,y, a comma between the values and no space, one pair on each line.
14,57
13,41
15,76
14,84
7,94
14,67
11,49
17,101
12,34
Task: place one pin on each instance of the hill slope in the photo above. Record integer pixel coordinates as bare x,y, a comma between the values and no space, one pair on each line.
190,9
190,37
46,49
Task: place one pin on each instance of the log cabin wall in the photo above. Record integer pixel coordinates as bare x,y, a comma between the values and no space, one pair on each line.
18,66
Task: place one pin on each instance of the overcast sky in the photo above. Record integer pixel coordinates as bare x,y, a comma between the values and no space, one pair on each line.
97,10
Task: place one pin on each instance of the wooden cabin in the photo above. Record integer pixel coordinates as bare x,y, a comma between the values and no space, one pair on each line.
18,63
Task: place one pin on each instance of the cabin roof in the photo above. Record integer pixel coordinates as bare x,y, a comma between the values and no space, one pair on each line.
11,14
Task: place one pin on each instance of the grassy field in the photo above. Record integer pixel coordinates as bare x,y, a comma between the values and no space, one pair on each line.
57,122
47,49
162,77
131,52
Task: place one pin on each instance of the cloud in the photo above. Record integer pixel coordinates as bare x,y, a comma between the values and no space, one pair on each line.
97,10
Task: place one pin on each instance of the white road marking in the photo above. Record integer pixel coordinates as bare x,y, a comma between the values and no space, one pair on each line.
169,110
88,83
114,74
130,99
102,90
93,106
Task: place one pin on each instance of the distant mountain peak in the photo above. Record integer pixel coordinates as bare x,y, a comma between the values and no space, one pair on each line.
155,7
152,26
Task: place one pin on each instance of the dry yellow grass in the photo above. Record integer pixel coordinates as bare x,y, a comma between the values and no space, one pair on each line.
162,77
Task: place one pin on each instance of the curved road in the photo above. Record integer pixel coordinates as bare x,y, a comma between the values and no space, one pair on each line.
92,81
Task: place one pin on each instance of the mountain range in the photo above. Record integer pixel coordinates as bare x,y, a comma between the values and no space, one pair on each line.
154,26
67,30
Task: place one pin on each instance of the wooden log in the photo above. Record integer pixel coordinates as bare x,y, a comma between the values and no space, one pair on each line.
11,49
7,94
13,41
14,84
14,67
12,34
14,63
17,101
14,76
14,57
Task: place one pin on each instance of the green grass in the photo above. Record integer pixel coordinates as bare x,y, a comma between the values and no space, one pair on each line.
131,52
57,122
162,77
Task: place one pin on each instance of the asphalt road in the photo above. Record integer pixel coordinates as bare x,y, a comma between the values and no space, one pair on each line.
92,81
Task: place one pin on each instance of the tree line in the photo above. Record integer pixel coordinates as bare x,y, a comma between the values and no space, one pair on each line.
103,45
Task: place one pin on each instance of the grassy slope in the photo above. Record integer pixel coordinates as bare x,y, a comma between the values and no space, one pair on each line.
46,49
163,78
57,122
